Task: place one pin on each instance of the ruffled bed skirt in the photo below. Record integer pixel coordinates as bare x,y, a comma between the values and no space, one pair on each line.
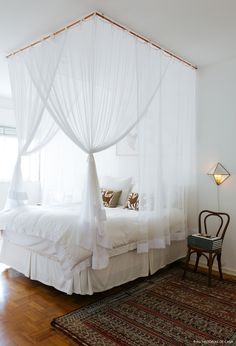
122,268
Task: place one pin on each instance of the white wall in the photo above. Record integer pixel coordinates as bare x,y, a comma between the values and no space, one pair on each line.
216,142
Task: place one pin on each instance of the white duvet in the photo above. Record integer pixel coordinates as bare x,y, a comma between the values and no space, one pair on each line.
51,231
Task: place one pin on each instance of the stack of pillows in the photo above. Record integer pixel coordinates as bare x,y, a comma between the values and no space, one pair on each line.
117,192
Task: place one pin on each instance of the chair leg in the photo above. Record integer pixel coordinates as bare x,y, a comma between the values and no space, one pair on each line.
197,261
186,264
210,270
219,266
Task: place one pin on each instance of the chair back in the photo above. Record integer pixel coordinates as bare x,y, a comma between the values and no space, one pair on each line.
206,215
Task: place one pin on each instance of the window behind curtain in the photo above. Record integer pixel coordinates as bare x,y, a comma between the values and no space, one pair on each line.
8,155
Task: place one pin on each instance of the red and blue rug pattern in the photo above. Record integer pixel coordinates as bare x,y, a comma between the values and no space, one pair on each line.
162,310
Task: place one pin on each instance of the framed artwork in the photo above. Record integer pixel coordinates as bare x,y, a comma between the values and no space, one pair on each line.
128,146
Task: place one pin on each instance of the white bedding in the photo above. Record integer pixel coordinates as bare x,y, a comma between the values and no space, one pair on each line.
51,231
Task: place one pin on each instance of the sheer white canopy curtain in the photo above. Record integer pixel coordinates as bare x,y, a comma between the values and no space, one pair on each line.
97,82
167,160
35,127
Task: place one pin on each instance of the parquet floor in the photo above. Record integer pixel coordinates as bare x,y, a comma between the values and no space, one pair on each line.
27,308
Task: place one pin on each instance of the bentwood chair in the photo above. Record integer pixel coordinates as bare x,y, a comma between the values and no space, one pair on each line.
220,224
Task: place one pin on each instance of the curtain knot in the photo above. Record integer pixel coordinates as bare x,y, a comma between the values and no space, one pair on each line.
90,157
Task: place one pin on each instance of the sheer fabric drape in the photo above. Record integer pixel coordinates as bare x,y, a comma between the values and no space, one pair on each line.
167,159
104,84
62,171
35,126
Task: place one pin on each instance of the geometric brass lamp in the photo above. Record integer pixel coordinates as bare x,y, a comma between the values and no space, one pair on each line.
219,174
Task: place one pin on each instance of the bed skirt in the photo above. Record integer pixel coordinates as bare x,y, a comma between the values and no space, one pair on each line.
122,268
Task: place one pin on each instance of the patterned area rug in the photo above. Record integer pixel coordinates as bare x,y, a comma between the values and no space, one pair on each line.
162,310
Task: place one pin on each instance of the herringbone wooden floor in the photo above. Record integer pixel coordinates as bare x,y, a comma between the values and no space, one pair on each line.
27,308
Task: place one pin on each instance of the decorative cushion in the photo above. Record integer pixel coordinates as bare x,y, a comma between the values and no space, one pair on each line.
117,184
133,201
110,198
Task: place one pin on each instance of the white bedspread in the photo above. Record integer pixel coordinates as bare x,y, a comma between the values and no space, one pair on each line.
51,231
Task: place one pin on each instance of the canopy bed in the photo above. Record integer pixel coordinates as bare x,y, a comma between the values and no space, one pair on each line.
95,82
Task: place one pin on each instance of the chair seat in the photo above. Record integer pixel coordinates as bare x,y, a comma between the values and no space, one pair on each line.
199,249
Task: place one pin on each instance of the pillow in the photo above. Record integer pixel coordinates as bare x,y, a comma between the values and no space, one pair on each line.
110,198
117,184
133,201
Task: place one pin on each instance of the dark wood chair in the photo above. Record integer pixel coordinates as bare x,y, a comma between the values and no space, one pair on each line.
221,224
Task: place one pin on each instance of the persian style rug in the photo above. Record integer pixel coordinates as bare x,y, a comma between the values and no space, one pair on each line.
162,310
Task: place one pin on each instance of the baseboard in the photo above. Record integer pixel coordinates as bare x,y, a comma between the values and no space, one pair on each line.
225,270
229,271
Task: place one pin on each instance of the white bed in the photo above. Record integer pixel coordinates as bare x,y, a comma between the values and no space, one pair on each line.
39,242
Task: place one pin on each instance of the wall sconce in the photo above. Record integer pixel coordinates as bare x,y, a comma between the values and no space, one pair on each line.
219,173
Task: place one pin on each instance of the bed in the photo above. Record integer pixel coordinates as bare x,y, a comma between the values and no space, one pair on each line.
39,242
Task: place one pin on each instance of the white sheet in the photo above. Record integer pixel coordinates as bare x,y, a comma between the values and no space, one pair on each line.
51,231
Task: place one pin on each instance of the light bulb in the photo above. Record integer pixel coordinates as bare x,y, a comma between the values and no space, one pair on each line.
218,178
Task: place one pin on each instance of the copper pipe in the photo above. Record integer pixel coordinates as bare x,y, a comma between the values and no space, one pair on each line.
48,36
114,23
147,40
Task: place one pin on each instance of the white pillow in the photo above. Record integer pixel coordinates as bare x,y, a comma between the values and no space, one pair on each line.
117,184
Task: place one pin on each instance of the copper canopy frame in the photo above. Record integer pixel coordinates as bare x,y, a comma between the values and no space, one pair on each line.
131,32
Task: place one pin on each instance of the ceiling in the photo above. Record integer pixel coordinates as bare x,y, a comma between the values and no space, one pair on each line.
201,31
